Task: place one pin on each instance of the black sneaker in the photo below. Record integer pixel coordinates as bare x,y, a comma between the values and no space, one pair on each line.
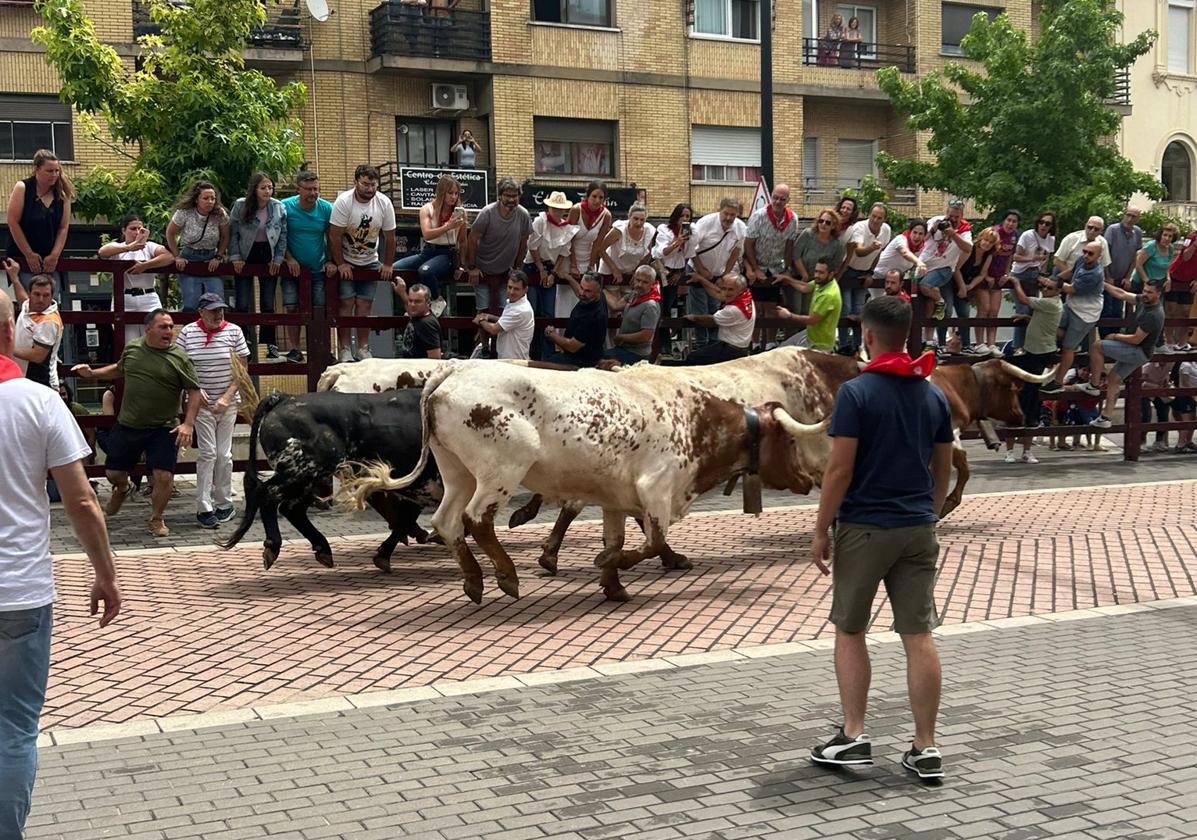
927,763
842,751
224,514
272,354
206,520
295,356
1051,388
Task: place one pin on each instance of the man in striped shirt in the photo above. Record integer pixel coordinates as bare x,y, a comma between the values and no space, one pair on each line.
210,343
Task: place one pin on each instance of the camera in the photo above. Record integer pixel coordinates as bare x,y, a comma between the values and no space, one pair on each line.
944,224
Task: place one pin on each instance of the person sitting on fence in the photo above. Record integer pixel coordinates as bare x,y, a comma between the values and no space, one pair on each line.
421,337
581,342
513,329
141,292
949,238
1083,311
641,309
443,228
735,321
1040,351
902,255
1128,350
825,306
1073,245
1185,407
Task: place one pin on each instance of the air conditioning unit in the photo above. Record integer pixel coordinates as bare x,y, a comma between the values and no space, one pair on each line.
449,97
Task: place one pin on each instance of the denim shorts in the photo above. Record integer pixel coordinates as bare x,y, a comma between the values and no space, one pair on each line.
291,289
937,277
1127,358
363,289
1077,332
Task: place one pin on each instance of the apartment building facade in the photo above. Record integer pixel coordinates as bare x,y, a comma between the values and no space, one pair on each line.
662,96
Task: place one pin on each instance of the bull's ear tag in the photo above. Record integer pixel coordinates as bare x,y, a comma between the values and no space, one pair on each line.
752,493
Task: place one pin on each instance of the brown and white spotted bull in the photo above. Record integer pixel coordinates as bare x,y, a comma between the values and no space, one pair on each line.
803,382
984,391
373,376
623,442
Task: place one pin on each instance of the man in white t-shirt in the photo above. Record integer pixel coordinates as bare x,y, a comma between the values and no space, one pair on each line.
714,248
50,441
210,343
39,328
949,240
513,329
866,240
735,321
360,216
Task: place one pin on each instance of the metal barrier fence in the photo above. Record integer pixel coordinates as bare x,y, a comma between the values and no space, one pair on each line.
319,323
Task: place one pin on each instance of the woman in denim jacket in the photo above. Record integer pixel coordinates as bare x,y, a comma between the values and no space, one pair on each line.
258,236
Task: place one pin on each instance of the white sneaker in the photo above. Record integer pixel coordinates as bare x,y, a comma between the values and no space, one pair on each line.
363,353
345,355
1011,458
1029,458
996,351
438,307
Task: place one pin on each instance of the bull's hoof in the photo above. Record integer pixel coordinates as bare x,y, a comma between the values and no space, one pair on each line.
673,560
522,516
994,447
549,564
383,563
617,594
269,555
324,558
421,537
948,507
435,539
608,558
510,586
473,590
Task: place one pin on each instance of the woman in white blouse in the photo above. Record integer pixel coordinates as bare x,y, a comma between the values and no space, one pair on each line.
594,221
627,247
141,292
548,260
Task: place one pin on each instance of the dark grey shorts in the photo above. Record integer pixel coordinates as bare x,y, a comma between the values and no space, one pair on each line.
905,558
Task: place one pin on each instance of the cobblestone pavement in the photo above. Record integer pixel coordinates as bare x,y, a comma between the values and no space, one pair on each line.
205,629
1077,729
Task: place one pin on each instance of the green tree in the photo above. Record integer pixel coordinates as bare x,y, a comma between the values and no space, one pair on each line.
1030,127
186,108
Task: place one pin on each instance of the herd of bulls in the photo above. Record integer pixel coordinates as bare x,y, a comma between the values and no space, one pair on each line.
405,436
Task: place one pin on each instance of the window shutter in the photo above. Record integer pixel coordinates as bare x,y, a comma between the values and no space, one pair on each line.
1180,30
712,145
855,161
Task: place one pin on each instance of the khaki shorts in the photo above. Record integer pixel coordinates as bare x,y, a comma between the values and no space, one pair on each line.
905,558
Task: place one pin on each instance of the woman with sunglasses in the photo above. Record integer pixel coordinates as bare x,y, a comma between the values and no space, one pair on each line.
1030,260
820,241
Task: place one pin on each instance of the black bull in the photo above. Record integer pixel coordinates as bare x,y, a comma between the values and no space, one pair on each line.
308,439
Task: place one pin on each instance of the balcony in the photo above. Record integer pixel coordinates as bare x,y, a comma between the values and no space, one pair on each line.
1122,88
410,32
1185,210
276,43
820,52
826,191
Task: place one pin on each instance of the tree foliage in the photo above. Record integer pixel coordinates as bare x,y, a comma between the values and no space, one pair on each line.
187,107
1029,128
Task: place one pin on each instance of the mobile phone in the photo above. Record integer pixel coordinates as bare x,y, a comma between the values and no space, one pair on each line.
685,228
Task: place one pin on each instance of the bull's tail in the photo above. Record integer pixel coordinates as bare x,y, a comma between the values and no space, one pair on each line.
376,477
253,484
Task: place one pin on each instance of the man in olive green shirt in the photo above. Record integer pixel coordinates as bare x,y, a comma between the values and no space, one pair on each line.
156,372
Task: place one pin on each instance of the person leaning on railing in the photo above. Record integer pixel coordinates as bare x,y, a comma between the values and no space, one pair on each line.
1128,350
141,292
258,236
198,232
308,216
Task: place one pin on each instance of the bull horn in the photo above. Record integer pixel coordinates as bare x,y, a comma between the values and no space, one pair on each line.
799,429
1022,375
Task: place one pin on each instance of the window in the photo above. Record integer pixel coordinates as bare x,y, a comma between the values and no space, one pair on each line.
578,12
724,154
957,20
574,147
1180,36
810,164
422,142
867,17
29,123
855,162
1177,172
728,18
810,17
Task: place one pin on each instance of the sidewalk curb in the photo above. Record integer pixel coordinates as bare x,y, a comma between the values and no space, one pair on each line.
173,724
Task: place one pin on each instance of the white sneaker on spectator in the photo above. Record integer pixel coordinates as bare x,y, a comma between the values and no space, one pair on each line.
363,353
1159,446
1029,458
1185,348
438,306
1090,389
1166,348
978,350
1011,458
996,351
345,355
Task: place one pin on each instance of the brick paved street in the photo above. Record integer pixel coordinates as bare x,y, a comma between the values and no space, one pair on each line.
1078,729
205,629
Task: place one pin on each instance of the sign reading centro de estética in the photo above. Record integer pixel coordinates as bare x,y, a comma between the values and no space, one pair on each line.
418,186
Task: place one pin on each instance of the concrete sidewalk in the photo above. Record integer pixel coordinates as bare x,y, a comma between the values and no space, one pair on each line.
1075,725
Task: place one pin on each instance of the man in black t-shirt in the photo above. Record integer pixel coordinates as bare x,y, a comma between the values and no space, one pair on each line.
422,337
581,342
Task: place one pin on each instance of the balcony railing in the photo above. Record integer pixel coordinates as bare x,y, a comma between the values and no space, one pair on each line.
1122,87
1186,210
281,31
826,191
398,29
824,52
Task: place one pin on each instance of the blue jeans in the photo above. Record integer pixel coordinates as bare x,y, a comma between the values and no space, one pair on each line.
291,288
699,302
190,286
958,306
623,355
433,266
544,302
1029,280
854,297
243,295
24,669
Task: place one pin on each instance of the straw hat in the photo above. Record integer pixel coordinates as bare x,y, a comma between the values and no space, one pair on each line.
558,201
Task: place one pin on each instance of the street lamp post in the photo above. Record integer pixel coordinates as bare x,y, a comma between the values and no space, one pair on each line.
767,92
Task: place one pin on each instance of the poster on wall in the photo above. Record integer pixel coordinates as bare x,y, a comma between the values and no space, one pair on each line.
418,186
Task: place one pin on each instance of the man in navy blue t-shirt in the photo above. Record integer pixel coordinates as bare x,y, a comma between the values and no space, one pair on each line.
885,481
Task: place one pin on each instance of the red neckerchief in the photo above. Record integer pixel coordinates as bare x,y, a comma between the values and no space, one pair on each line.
773,217
208,333
900,364
902,294
652,294
9,369
563,223
743,302
445,216
590,219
